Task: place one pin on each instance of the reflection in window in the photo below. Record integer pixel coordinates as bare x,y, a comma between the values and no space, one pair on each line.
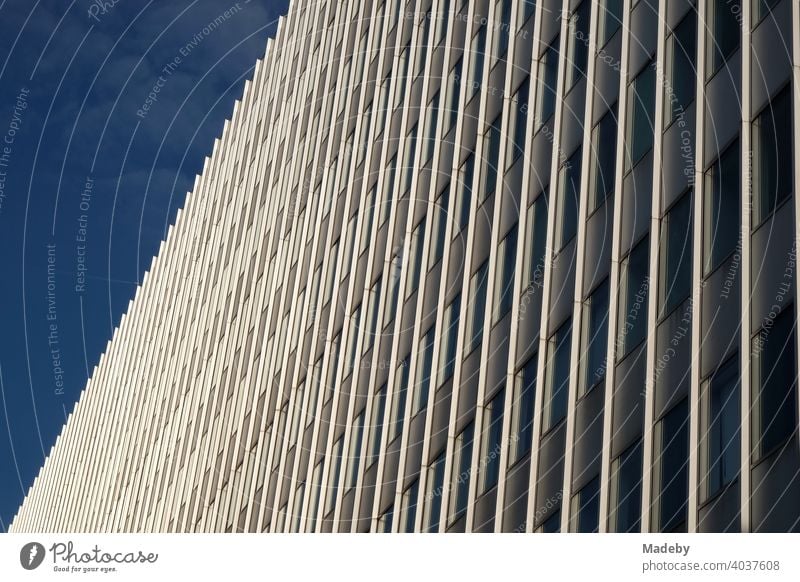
502,19
453,95
546,89
478,50
385,520
774,383
626,490
463,202
641,103
526,10
439,227
409,507
676,254
610,19
569,191
433,497
415,257
430,128
491,157
634,284
460,478
447,357
518,120
772,153
477,306
721,212
723,18
533,275
672,469
491,439
586,508
722,425
504,274
594,338
522,410
603,159
680,66
577,45
558,373
424,366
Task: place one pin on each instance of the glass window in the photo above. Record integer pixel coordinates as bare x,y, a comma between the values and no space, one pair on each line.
577,44
333,255
553,523
774,383
536,245
409,506
723,18
462,469
641,103
399,396
478,50
385,106
518,121
463,202
355,328
558,373
586,508
424,367
433,497
385,520
477,306
491,157
772,153
491,442
626,490
430,128
448,354
546,90
676,254
721,228
408,162
603,159
402,68
526,10
681,60
354,461
333,475
504,274
761,8
610,19
372,314
633,288
395,269
378,410
297,508
569,191
672,469
453,95
369,217
594,338
522,410
415,256
388,188
439,231
442,21
722,426
422,43
502,20
316,493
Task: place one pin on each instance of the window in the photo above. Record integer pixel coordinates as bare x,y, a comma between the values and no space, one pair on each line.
723,22
546,90
761,8
553,523
722,426
378,410
316,493
586,508
626,490
491,157
355,328
610,19
372,314
409,507
333,255
349,246
721,228
594,338
415,256
453,94
333,476
680,66
569,191
558,373
430,128
603,159
399,395
388,188
297,411
424,367
502,19
385,106
448,354
433,497
477,306
422,44
522,410
772,152
491,441
463,202
536,245
526,8
641,102
395,271
369,217
634,283
442,21
774,383
459,481
518,121
676,254
478,50
297,507
408,162
439,231
385,520
356,438
577,45
504,274
402,68
672,469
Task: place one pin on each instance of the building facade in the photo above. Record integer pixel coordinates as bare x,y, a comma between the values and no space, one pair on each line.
469,265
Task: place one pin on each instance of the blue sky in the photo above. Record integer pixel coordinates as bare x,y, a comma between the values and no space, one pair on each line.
99,144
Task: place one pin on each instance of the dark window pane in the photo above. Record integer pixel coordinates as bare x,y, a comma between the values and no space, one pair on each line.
522,410
577,44
537,238
724,424
450,337
633,300
569,195
587,507
681,59
595,337
676,254
610,19
478,286
725,31
461,472
491,157
626,490
492,439
506,262
604,158
773,155
559,368
673,442
519,119
721,229
641,103
546,94
433,501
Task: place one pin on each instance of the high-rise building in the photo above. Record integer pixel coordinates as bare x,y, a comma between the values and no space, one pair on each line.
469,266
